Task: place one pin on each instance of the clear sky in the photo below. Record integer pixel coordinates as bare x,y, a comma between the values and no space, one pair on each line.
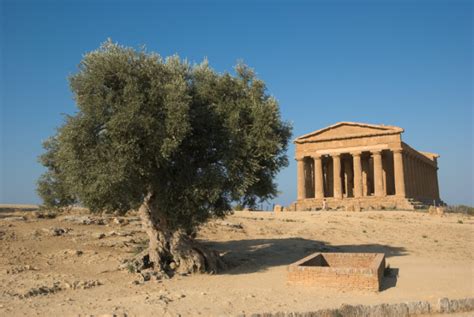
404,63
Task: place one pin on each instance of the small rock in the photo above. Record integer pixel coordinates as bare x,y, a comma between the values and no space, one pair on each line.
173,265
83,284
100,235
42,290
99,221
418,308
56,232
19,269
146,276
230,224
85,220
45,215
79,252
14,218
120,221
78,219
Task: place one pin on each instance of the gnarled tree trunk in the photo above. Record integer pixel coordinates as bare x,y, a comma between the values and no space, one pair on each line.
172,251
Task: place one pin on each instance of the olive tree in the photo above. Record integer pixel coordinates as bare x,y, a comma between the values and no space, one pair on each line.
178,142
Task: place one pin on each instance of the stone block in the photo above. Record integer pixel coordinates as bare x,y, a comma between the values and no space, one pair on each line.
278,208
418,308
443,305
466,304
348,271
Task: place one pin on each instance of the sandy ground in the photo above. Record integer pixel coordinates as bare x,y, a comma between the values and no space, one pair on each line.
61,267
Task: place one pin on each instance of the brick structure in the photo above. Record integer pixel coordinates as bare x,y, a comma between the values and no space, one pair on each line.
363,166
345,271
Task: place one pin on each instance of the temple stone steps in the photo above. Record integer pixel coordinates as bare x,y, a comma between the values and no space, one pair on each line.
364,203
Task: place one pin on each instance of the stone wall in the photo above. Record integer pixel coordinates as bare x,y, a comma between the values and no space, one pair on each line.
416,308
345,271
355,204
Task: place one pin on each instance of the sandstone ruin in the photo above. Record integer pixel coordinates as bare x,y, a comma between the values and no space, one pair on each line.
356,166
345,271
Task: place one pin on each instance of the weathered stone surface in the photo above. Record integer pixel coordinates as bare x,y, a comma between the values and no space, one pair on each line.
56,231
21,218
230,224
99,235
84,220
443,305
386,310
418,308
278,208
465,304
348,271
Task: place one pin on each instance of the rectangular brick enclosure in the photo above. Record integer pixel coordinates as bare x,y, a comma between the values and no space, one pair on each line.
345,271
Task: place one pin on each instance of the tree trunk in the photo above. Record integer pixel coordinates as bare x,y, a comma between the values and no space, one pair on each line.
173,251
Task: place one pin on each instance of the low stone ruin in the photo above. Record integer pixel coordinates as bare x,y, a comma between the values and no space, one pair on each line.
347,271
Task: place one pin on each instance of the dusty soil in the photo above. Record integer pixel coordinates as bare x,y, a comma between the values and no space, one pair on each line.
69,265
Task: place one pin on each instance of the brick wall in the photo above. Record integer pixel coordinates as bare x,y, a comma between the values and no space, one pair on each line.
348,271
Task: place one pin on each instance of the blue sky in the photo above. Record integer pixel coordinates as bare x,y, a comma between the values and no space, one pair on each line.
404,63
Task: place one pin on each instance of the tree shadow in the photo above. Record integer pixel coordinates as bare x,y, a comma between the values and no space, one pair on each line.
255,255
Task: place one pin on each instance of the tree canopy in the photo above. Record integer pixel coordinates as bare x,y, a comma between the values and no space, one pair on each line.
195,139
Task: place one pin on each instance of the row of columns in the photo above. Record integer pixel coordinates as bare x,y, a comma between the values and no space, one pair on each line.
423,178
379,188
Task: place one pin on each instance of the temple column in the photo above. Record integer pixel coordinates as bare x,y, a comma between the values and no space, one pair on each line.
412,176
433,181
399,173
348,177
357,174
419,185
436,184
430,176
433,171
378,174
318,177
409,177
301,180
423,178
406,160
417,176
336,160
330,187
430,181
365,176
422,181
325,176
408,183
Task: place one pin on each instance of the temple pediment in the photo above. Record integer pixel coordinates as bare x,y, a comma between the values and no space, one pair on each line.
348,130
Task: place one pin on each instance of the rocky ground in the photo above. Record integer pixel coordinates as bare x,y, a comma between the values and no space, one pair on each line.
73,263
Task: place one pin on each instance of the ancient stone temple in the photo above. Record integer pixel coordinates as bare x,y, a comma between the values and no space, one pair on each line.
356,166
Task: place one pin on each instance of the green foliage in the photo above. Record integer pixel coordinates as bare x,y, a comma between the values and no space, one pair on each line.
51,186
198,140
